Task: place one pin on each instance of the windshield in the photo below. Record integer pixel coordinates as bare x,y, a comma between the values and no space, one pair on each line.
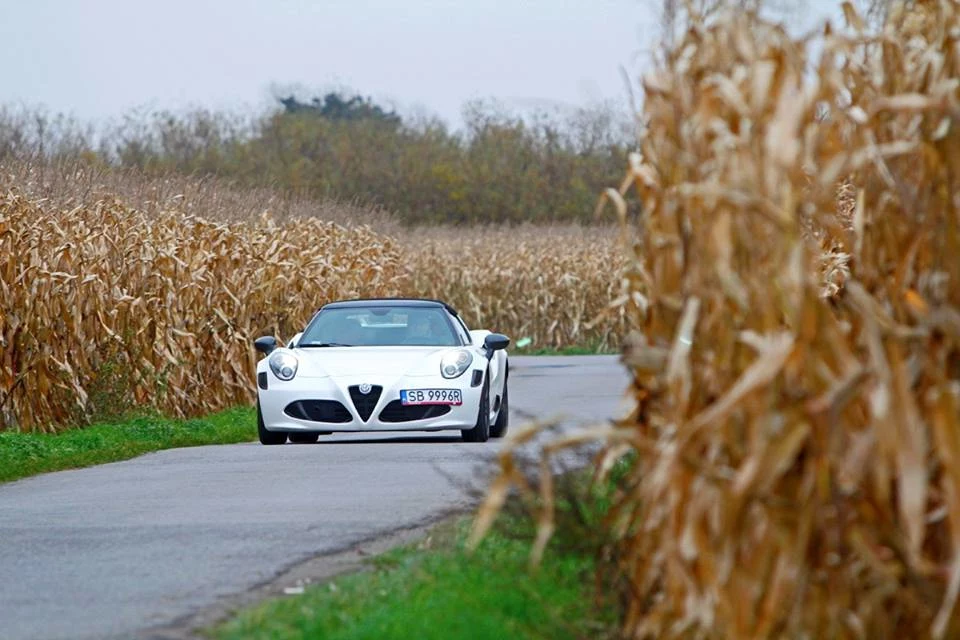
379,326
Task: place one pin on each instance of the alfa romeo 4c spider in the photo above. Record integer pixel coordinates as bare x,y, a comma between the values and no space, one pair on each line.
383,365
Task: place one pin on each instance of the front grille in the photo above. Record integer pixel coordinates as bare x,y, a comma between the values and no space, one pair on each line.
398,412
365,403
318,411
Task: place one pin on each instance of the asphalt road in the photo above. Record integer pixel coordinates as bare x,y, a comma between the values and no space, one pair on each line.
115,550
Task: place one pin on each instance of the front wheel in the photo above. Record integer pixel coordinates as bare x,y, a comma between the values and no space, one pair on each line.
480,432
268,437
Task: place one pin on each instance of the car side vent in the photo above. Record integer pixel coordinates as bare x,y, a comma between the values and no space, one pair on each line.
365,403
477,378
262,379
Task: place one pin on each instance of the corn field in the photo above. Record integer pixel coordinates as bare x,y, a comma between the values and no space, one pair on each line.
105,302
106,306
794,313
546,283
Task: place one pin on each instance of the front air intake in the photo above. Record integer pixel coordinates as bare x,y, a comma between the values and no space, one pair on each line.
365,403
318,411
396,411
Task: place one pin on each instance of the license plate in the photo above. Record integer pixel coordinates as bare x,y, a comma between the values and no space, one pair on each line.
431,396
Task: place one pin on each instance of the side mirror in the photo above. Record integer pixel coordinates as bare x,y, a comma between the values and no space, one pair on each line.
495,342
265,344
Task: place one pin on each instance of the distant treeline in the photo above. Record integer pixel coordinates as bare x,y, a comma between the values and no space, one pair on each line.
499,168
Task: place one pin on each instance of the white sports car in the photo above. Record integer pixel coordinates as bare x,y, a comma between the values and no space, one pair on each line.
392,364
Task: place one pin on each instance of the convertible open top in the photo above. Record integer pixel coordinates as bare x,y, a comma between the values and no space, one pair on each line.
389,302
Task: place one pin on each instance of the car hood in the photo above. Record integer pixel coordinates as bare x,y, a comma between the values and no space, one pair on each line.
362,361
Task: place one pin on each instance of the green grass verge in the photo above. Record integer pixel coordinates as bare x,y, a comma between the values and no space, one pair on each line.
436,589
440,591
27,454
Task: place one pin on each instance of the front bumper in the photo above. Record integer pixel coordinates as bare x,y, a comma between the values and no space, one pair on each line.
279,395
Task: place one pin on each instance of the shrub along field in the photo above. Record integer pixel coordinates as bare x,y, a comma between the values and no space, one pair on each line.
500,168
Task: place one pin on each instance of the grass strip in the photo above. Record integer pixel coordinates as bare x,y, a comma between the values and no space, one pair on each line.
435,589
27,454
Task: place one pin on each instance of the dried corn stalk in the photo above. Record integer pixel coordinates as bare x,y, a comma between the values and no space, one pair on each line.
544,283
163,304
167,304
796,413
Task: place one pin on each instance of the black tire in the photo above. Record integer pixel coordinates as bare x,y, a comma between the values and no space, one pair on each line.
481,431
269,437
303,437
499,428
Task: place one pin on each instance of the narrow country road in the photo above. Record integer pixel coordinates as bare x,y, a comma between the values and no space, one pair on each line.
117,550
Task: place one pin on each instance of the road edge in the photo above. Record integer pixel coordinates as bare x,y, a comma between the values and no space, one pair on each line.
316,570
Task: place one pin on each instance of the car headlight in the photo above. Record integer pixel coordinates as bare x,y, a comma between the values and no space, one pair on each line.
284,365
453,364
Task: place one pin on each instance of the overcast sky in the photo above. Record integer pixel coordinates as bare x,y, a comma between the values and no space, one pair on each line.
98,59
